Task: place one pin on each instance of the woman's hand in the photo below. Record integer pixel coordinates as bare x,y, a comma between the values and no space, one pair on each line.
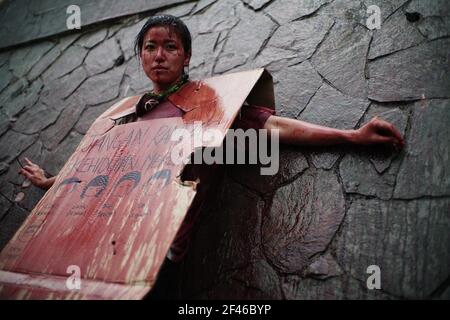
36,175
378,131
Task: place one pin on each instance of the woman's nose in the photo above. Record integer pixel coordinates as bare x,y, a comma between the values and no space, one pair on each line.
159,54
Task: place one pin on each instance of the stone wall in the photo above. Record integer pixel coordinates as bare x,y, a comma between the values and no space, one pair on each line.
311,231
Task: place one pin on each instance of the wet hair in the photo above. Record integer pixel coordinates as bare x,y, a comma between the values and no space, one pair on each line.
134,176
98,181
164,20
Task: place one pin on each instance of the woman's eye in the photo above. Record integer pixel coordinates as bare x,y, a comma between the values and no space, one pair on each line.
171,46
150,47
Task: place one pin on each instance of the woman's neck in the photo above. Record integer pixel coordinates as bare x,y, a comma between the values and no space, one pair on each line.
168,90
161,88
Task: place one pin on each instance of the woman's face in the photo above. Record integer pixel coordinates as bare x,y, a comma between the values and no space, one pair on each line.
163,57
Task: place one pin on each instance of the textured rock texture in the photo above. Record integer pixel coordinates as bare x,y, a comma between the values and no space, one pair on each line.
28,20
310,231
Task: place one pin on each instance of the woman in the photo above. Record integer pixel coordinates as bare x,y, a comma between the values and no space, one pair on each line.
164,48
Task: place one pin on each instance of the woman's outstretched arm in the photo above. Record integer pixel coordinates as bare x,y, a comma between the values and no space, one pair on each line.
376,131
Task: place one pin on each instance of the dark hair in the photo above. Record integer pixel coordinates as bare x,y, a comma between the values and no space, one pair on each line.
98,181
164,20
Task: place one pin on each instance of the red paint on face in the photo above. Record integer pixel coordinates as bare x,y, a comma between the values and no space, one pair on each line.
163,57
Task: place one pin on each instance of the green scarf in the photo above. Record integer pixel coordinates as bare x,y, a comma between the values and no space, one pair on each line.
150,100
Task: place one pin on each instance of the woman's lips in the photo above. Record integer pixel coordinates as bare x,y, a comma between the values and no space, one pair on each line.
159,69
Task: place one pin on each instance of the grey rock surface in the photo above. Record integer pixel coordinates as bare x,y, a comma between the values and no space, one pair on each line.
397,33
11,221
103,56
427,151
66,63
301,224
425,78
295,88
22,16
8,150
341,58
395,235
285,11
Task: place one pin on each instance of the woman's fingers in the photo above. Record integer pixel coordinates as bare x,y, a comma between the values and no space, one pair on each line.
31,164
28,161
386,140
384,128
34,174
392,141
26,174
391,128
388,130
31,173
29,169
